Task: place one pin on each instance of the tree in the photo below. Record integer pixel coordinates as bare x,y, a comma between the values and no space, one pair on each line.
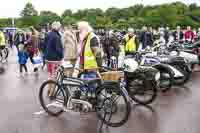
30,21
48,17
135,11
5,22
193,7
180,7
138,15
29,10
113,14
68,20
66,13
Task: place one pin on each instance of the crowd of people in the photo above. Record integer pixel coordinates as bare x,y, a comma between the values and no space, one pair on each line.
83,46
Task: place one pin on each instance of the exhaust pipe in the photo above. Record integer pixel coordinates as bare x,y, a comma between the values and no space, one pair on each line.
77,101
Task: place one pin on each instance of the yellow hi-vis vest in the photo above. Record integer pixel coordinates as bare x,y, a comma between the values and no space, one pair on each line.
130,44
89,58
2,39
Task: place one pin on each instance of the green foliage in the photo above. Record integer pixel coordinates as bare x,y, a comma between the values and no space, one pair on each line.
48,17
68,20
66,13
5,22
136,16
29,21
29,10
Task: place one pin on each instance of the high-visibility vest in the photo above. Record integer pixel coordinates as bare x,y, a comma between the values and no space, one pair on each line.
2,39
89,58
130,44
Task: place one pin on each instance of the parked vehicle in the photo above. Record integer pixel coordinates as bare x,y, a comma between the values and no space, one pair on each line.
141,81
79,95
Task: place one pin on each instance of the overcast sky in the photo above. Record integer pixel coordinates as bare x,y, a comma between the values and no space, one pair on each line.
12,8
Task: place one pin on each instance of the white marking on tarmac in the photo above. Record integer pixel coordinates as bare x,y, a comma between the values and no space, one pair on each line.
40,112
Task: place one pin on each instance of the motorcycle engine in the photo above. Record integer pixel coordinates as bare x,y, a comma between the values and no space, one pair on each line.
80,104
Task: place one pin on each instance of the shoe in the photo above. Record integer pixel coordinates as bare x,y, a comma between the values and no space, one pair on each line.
35,70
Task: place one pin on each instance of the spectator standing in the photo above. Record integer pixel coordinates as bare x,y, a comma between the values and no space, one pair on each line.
32,44
131,42
70,46
142,36
90,57
42,37
2,40
167,34
113,47
178,34
19,38
22,59
189,35
198,34
148,38
53,49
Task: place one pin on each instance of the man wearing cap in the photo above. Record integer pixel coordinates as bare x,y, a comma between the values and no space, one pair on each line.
131,42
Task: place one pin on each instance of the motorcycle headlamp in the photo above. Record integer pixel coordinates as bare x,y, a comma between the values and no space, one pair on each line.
157,76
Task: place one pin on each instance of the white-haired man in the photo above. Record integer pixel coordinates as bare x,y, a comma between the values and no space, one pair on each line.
131,42
53,49
90,55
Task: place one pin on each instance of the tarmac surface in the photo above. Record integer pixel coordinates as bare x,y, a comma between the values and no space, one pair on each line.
178,111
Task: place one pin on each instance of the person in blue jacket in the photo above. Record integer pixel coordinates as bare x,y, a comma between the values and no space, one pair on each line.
22,59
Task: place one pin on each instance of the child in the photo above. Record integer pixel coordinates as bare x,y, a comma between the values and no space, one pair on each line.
22,59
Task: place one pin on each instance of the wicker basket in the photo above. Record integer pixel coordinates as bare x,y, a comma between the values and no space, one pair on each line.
112,75
68,72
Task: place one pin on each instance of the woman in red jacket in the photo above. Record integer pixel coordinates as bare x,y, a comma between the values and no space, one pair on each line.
189,35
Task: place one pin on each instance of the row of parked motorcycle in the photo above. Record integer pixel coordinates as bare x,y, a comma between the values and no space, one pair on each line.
145,73
159,68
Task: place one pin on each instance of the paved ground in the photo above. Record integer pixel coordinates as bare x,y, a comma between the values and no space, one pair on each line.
176,112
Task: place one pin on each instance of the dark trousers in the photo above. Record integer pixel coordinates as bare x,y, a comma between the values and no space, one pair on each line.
108,57
31,55
21,68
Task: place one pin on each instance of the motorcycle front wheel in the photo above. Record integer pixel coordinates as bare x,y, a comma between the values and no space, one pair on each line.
52,98
113,106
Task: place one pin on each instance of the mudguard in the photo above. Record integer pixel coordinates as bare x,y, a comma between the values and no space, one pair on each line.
146,71
164,67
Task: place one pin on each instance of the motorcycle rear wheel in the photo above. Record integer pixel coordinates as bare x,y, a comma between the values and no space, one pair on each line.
144,88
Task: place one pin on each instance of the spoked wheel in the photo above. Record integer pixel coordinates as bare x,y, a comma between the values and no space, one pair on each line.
2,70
52,98
142,91
1,56
4,53
113,106
166,81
